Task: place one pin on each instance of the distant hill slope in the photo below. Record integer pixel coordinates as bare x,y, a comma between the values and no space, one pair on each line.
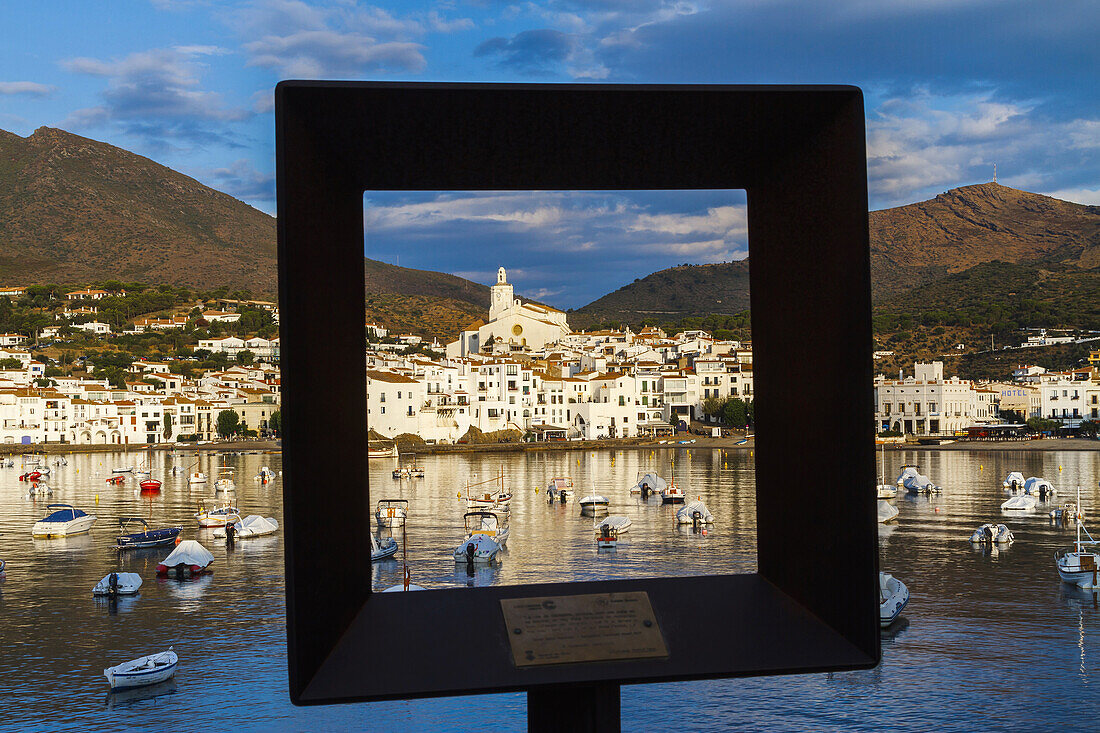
76,210
929,245
381,277
972,225
672,293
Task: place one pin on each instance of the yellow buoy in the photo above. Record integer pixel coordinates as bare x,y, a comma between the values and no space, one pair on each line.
97,498
459,495
980,467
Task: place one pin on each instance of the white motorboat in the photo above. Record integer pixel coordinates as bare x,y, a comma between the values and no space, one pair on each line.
672,494
189,558
593,504
211,514
694,512
196,477
392,512
37,488
60,461
43,470
648,483
1039,488
224,484
7,463
63,521
147,670
1079,565
118,584
485,535
1020,503
607,537
266,475
559,489
914,482
1066,513
123,469
992,534
251,526
886,511
1013,482
380,550
893,597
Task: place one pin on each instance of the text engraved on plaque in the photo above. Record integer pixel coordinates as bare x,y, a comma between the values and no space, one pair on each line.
595,627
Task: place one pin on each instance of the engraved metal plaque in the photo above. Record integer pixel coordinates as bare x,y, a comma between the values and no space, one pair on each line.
596,627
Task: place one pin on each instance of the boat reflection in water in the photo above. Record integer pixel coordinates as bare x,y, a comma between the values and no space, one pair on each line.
125,698
187,592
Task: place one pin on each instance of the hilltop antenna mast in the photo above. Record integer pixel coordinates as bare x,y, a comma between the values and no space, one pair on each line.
994,172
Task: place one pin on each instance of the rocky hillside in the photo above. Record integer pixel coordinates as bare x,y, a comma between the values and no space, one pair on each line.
959,243
74,210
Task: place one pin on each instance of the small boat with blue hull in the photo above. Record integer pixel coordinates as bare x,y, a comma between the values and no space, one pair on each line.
147,670
128,539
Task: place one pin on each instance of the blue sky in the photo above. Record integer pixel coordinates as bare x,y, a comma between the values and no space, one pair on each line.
951,86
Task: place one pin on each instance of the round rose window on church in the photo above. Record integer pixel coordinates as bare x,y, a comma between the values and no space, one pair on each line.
517,330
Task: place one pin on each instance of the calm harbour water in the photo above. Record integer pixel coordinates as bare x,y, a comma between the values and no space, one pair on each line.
990,639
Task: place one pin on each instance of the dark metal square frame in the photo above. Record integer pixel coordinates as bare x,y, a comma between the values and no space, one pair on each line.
800,154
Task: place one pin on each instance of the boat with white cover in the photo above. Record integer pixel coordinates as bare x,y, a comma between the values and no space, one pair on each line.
1020,503
392,512
485,535
63,521
1077,564
266,474
189,558
196,477
1013,482
147,670
617,522
251,526
893,597
380,550
694,511
118,584
886,511
648,483
1038,487
123,469
992,534
559,489
913,481
593,504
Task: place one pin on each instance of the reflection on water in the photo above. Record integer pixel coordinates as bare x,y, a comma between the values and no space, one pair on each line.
990,637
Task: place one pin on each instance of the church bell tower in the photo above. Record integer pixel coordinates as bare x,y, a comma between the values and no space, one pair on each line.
501,298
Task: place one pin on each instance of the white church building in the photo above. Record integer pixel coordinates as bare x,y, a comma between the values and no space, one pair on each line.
521,325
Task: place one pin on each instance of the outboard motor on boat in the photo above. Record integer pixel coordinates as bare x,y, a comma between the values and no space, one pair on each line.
230,533
112,586
645,491
471,549
696,520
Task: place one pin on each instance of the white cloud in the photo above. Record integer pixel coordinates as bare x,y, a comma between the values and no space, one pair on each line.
30,88
157,95
338,39
926,143
1089,197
